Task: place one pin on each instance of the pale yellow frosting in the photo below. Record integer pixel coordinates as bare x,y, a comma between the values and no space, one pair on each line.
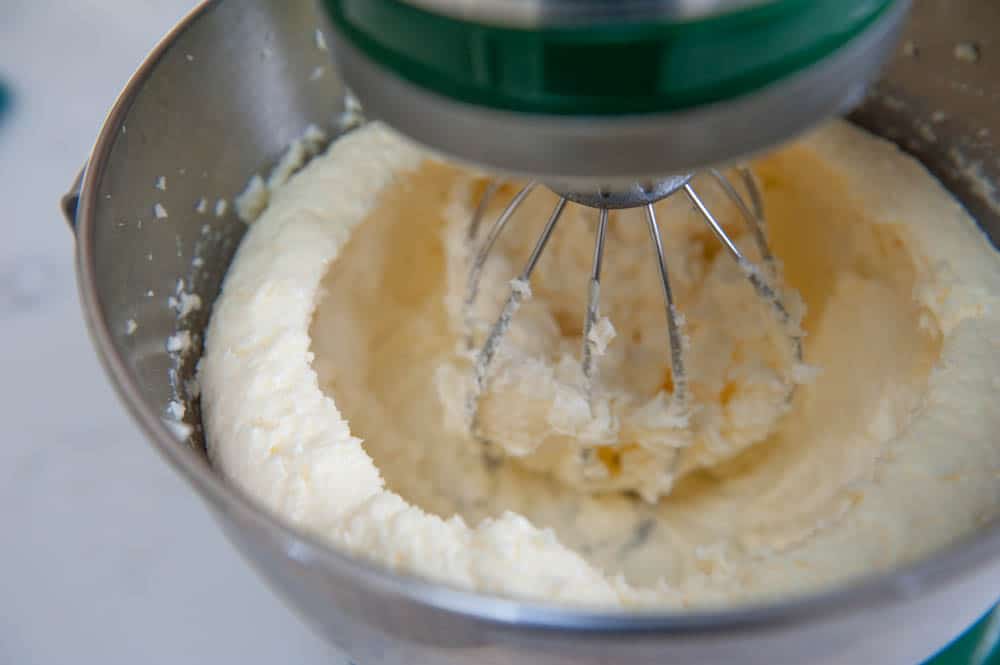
332,383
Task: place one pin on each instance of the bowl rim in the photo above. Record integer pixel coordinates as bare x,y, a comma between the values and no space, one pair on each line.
960,559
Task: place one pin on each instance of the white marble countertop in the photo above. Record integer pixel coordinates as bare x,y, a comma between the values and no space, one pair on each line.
107,557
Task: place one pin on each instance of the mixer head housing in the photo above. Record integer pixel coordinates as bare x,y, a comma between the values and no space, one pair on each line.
604,93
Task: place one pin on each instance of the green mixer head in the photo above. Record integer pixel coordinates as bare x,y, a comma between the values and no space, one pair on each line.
595,88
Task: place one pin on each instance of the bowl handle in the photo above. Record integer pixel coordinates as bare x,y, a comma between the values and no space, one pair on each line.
71,199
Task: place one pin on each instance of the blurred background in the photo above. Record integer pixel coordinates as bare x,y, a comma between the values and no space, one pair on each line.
106,556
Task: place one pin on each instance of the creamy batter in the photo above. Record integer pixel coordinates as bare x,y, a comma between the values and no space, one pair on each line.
335,379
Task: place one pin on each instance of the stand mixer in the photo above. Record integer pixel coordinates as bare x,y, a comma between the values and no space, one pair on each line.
229,88
612,106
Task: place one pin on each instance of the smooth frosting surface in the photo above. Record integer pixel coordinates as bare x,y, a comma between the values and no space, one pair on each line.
335,373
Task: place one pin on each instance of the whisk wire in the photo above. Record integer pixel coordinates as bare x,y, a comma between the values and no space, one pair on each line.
753,219
476,270
518,291
477,217
753,191
673,320
752,272
593,302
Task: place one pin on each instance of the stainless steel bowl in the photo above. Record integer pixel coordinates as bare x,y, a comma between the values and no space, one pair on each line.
219,99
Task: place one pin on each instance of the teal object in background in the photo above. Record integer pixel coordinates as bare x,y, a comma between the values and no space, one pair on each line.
980,645
4,100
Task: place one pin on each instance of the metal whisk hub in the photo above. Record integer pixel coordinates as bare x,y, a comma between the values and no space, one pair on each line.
617,197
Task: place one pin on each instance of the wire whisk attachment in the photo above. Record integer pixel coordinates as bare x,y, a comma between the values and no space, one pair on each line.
762,274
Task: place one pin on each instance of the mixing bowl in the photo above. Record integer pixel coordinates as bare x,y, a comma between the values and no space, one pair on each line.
218,100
